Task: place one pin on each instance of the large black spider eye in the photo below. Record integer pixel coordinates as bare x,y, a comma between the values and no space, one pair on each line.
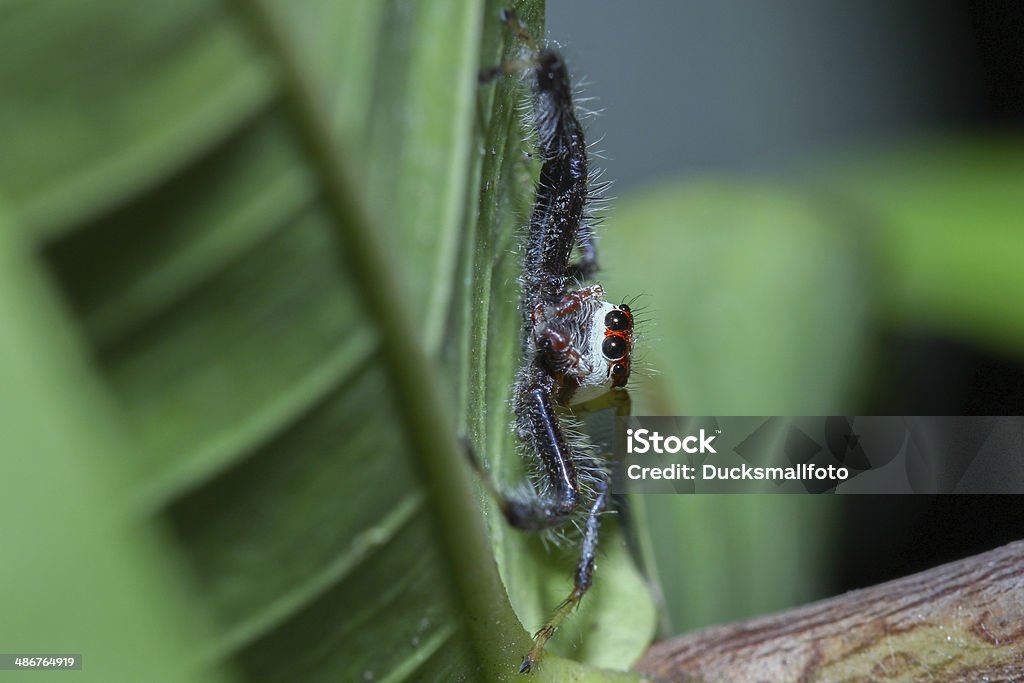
617,321
624,307
613,348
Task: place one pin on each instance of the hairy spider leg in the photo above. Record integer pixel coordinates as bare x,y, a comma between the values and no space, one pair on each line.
619,401
539,428
558,506
581,581
535,516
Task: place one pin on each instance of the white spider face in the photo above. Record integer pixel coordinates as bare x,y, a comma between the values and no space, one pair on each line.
609,351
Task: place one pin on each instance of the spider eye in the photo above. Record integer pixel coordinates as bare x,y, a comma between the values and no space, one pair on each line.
624,307
619,374
617,321
614,347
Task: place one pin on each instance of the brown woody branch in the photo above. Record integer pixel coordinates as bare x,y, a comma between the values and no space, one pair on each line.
960,622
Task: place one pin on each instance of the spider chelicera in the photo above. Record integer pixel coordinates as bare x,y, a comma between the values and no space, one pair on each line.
577,346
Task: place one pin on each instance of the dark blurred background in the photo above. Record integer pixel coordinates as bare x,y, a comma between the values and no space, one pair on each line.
769,89
736,86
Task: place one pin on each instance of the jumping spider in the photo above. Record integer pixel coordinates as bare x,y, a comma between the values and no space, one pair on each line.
577,346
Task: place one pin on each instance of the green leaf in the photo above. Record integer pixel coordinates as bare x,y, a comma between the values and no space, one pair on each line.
291,270
754,301
945,218
79,576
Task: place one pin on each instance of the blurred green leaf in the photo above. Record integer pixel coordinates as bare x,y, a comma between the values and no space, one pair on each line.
78,575
168,176
947,225
754,303
755,297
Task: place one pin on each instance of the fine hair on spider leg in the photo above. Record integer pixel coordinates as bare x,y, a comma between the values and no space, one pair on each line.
577,346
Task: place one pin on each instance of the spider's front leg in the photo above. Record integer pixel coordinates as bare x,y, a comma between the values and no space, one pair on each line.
559,464
539,429
581,581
